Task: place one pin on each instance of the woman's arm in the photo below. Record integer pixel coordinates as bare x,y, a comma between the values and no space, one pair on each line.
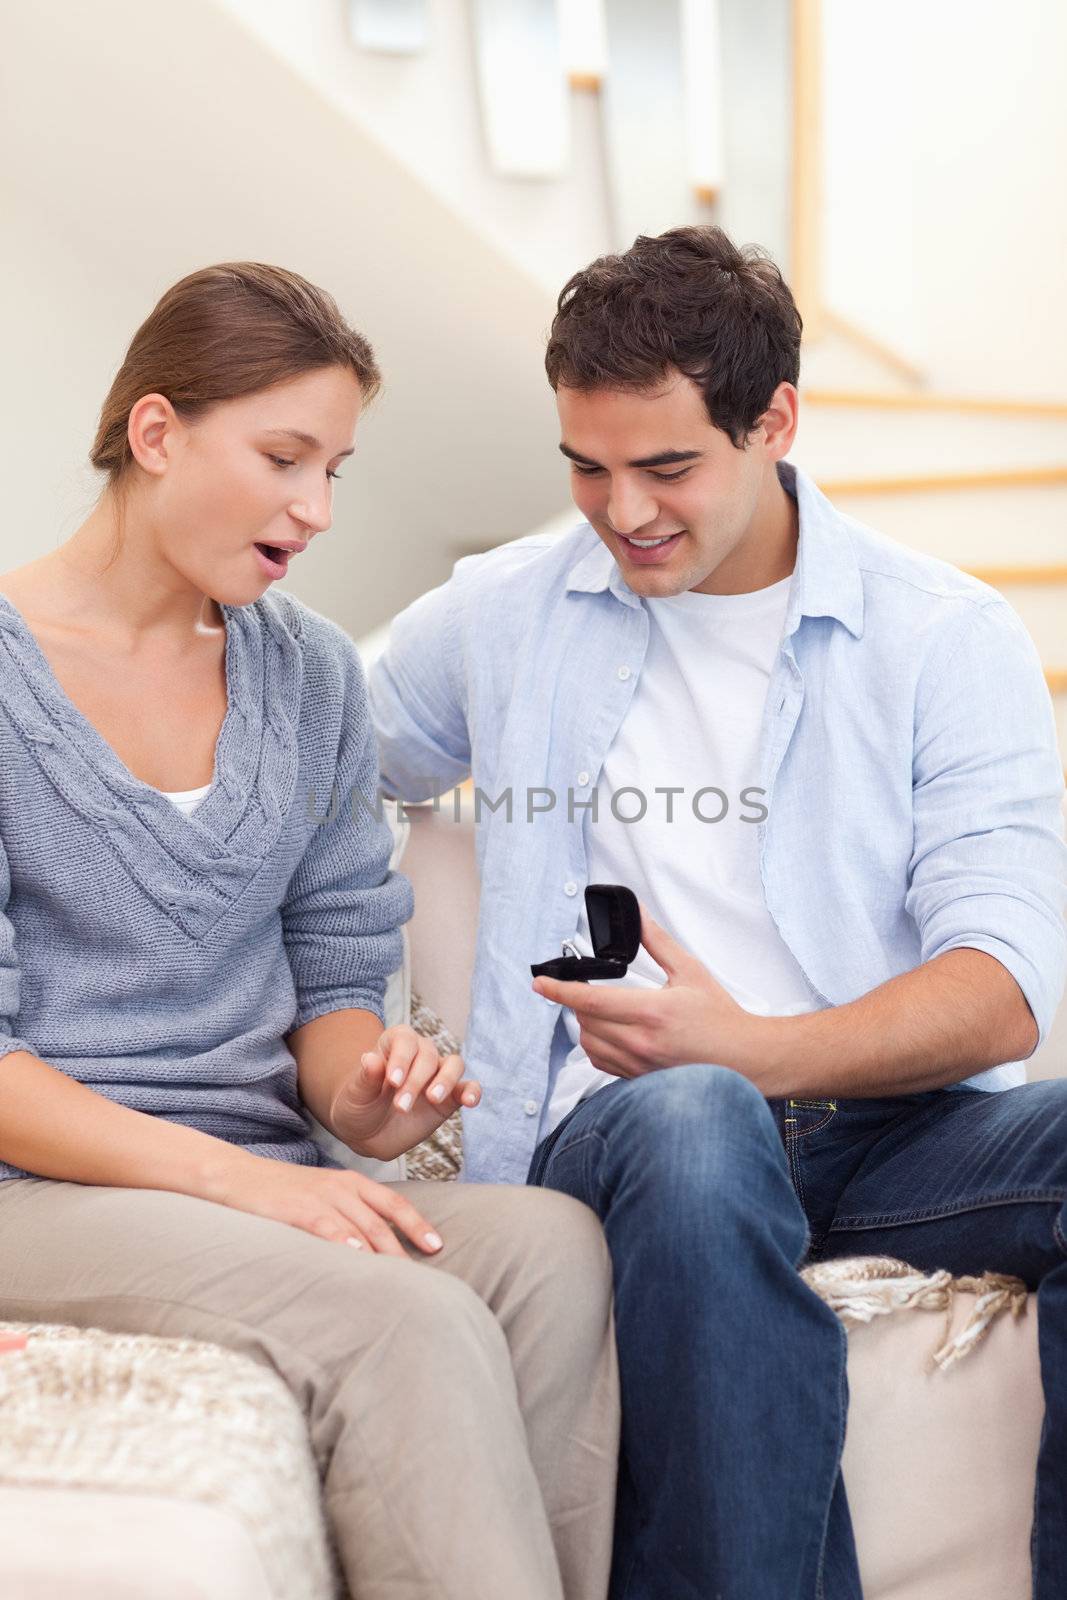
55,1127
325,1052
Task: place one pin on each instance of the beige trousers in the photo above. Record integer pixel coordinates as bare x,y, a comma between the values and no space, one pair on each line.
463,1409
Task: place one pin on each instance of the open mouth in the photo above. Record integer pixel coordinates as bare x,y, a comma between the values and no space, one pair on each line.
273,559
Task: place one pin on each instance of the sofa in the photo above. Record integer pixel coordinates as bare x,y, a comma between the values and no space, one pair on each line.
164,1468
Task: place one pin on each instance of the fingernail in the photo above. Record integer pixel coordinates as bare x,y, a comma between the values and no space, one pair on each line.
437,1092
396,1076
357,1244
434,1241
404,1103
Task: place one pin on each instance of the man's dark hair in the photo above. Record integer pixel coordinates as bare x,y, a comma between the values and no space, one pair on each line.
688,299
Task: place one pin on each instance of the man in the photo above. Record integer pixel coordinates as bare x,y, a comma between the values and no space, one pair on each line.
827,764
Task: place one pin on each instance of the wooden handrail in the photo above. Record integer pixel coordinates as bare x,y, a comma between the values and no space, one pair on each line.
1039,576
805,223
1021,478
587,82
1056,678
934,402
867,341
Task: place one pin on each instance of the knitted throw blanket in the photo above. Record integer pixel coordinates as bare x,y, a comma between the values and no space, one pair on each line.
860,1288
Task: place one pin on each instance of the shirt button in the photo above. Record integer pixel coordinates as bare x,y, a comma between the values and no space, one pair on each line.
531,1108
570,889
624,673
583,779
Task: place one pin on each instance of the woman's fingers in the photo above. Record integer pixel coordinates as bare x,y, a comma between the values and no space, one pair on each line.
377,1209
446,1081
412,1066
399,1047
375,1232
421,1070
369,1081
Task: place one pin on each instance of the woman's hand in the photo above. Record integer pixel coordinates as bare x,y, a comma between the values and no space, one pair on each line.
399,1094
346,1207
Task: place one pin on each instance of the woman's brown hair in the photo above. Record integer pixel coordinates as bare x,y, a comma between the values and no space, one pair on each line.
688,300
223,332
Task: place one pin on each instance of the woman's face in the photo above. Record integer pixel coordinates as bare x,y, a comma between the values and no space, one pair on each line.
245,488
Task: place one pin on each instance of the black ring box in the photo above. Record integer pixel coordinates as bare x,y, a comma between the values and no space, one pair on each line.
615,931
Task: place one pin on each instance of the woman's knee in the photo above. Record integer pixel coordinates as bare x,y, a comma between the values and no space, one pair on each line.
557,1247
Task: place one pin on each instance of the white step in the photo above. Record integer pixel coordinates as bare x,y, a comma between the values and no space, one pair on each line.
840,442
969,527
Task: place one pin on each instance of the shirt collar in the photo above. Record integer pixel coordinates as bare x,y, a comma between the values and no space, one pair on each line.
598,570
827,581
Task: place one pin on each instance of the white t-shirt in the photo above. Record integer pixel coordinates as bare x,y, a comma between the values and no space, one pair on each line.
693,725
186,800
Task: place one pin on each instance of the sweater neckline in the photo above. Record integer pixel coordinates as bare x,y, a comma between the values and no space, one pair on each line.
192,865
67,715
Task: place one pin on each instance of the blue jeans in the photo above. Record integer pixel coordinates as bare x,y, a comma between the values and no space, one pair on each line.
733,1372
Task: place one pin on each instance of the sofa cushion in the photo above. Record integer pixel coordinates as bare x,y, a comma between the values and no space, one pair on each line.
82,1544
940,1460
177,1419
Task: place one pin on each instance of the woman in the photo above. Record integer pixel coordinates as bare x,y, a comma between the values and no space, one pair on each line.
189,958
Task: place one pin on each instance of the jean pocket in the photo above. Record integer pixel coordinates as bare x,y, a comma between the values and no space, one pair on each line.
802,1117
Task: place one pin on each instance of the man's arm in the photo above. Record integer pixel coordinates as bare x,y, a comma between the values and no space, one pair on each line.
988,869
948,1019
418,703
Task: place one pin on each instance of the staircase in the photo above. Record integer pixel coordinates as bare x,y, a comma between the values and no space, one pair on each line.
978,481
372,144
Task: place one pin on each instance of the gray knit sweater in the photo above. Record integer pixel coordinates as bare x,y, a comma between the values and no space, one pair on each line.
162,959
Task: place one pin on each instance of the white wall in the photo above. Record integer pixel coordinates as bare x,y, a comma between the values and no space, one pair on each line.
945,220
137,149
424,109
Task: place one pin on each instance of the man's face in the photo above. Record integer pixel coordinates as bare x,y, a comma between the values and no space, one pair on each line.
651,466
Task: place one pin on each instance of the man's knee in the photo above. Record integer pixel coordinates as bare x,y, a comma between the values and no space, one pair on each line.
705,1113
699,1141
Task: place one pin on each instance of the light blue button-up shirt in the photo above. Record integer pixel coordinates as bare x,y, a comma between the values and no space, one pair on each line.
907,750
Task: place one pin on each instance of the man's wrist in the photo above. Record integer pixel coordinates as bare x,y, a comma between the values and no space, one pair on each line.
772,1051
